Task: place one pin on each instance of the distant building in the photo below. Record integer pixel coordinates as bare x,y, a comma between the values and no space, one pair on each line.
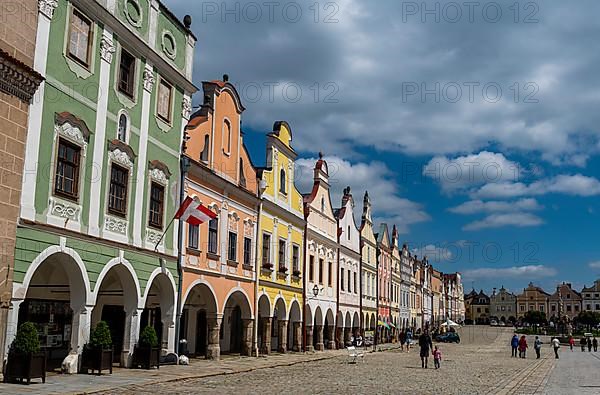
565,302
591,297
503,305
477,307
533,298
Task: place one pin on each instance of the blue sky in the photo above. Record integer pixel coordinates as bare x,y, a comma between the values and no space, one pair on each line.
475,131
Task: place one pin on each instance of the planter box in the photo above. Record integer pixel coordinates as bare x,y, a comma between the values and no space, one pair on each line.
146,357
94,359
25,366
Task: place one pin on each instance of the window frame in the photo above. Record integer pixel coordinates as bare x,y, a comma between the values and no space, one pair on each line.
130,91
161,82
321,270
295,258
151,223
90,39
282,182
213,245
193,237
125,185
74,196
247,251
311,268
232,246
266,249
281,254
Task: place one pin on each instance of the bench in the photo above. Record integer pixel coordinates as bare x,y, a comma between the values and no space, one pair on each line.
354,354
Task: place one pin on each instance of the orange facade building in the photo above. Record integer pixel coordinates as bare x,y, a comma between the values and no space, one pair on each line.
219,270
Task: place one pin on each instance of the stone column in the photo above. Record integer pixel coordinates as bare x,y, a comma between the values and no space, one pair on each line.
248,326
283,332
168,335
297,340
191,330
347,336
331,342
80,334
309,339
131,336
213,350
12,321
266,336
339,342
320,346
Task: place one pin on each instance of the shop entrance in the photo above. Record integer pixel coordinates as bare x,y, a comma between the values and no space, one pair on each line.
115,318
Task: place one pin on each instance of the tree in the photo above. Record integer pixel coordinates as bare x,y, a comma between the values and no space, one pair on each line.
535,317
26,340
588,318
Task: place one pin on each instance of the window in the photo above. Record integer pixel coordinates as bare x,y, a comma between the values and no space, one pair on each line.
321,270
576,308
282,182
163,107
226,136
553,307
67,170
322,204
232,247
247,250
80,38
348,233
242,176
342,279
282,255
122,130
349,281
266,249
588,307
311,269
127,73
193,236
598,307
295,258
157,197
330,274
568,307
204,153
355,285
213,229
117,194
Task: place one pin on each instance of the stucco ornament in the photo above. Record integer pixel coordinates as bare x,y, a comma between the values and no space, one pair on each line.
149,79
120,157
115,225
47,7
186,107
158,175
107,49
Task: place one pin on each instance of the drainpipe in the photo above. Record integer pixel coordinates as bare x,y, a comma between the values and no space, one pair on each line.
184,166
377,254
262,185
304,279
337,277
360,289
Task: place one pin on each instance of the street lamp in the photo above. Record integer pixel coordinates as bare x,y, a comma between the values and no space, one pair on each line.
316,290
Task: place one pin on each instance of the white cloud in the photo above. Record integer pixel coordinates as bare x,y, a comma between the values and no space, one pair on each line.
528,272
479,206
573,185
374,177
469,171
501,220
434,253
594,265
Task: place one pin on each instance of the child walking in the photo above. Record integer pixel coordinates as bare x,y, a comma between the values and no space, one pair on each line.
437,357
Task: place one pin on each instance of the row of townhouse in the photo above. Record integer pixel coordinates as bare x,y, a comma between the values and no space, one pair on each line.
506,306
105,152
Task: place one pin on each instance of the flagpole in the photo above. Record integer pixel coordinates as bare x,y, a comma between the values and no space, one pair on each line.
163,235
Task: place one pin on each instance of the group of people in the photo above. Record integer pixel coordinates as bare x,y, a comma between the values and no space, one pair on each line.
425,345
405,339
520,345
589,342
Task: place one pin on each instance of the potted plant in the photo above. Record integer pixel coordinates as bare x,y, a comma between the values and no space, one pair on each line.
146,353
267,266
25,361
296,273
98,354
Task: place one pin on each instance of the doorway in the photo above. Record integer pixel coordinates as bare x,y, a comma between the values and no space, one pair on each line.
115,319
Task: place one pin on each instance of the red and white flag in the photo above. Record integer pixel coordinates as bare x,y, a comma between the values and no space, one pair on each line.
193,212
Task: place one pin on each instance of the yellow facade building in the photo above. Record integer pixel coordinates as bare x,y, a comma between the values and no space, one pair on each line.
280,248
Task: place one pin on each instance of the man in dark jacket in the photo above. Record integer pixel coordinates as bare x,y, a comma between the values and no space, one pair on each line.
426,345
514,343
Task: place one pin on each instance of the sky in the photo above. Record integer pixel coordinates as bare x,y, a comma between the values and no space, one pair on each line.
473,125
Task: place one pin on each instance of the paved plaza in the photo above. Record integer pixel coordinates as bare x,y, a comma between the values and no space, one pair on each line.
481,364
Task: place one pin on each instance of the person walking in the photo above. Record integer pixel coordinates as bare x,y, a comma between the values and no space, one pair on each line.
556,346
408,339
537,346
402,338
582,342
595,344
571,342
589,344
437,357
514,343
426,345
523,347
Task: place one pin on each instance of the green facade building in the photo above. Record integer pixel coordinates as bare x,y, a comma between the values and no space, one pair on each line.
101,175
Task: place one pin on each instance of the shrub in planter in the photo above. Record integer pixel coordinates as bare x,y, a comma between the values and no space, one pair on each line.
98,354
146,353
25,361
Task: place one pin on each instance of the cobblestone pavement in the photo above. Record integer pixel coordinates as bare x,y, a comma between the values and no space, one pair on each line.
575,373
481,364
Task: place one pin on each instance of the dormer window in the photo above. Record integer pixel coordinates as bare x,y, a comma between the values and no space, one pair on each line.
322,204
282,182
242,176
204,153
